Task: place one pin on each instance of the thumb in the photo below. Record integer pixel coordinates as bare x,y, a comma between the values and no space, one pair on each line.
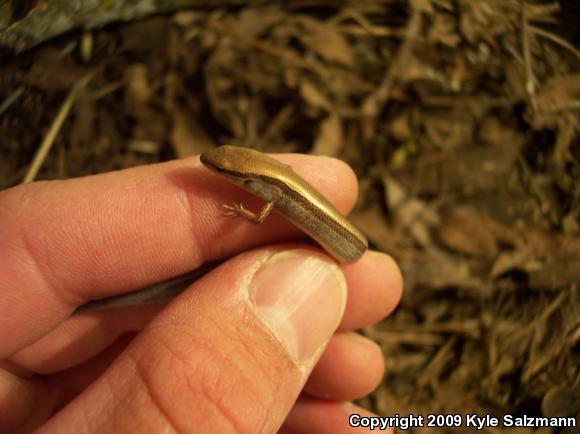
229,355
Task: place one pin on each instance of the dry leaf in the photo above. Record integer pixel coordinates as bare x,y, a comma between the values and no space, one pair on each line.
188,136
373,223
313,96
330,137
144,146
327,42
413,215
469,234
138,89
254,21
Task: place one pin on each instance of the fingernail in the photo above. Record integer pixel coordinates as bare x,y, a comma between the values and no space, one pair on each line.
300,296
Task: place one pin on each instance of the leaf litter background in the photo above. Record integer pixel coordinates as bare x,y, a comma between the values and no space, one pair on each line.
460,118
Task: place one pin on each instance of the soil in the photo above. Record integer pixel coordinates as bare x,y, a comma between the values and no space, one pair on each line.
460,118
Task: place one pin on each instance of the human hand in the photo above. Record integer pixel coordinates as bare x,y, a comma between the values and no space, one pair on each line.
242,350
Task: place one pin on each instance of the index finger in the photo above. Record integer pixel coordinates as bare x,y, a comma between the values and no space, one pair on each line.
65,242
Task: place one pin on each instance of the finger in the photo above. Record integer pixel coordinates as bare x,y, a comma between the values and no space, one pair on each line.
79,339
237,348
351,367
82,337
27,402
313,416
18,396
70,241
375,286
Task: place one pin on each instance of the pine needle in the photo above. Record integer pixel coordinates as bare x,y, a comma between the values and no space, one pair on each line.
54,129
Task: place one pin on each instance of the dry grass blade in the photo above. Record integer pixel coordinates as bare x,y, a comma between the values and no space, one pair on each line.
540,10
530,77
11,99
554,38
54,129
364,26
566,106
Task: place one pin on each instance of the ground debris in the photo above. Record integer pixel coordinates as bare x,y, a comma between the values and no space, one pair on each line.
459,117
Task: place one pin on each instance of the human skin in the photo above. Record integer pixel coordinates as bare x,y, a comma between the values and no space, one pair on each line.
217,358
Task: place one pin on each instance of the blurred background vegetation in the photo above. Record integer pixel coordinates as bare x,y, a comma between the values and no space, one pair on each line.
460,118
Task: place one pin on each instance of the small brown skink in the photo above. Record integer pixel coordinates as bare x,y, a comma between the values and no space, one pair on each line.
283,190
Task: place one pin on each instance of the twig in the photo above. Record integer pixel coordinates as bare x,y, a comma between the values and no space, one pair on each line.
49,18
54,129
10,100
375,102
